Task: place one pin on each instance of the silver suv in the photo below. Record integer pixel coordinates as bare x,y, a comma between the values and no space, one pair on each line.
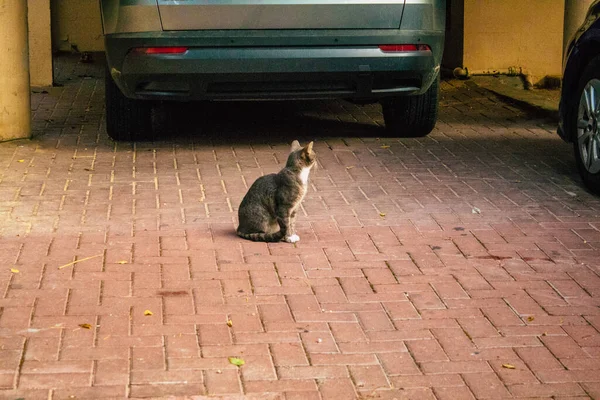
184,50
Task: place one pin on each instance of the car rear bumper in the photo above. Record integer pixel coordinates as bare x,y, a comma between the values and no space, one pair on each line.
271,67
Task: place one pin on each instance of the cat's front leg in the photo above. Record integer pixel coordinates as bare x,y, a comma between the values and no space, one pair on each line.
293,223
285,225
293,238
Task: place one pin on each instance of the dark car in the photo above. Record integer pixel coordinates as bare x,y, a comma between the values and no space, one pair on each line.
185,50
580,98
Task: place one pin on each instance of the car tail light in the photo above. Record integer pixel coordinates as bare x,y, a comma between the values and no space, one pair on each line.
162,50
397,48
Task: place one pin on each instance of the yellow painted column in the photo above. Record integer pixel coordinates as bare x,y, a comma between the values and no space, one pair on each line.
15,104
575,11
40,43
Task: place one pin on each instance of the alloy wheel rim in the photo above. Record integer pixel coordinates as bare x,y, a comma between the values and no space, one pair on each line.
588,119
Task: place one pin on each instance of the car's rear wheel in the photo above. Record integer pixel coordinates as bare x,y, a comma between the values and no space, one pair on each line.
585,123
126,119
412,116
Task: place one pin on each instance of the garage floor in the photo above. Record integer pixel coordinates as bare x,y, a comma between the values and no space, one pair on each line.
457,266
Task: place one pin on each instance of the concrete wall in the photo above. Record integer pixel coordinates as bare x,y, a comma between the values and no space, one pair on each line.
76,24
514,33
40,46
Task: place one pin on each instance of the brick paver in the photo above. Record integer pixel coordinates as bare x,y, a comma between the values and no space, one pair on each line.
426,266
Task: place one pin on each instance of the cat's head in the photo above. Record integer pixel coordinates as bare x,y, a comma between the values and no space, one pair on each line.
302,157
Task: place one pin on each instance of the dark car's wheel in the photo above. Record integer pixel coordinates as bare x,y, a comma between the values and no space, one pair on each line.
584,123
126,119
412,116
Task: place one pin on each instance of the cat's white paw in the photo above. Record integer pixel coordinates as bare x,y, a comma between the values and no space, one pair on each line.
292,239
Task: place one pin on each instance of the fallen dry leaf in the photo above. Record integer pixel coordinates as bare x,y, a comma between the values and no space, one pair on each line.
148,312
78,261
350,167
122,262
530,318
236,361
476,210
14,270
508,366
85,326
385,146
382,215
20,160
229,323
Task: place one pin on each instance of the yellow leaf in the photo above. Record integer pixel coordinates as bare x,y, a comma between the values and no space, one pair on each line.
85,326
236,361
147,312
20,160
508,366
382,215
530,318
229,323
14,270
385,146
122,262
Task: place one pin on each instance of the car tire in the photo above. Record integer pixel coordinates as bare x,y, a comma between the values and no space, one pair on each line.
583,121
412,116
126,119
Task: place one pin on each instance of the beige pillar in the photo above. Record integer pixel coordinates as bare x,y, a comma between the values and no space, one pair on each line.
575,11
15,107
40,43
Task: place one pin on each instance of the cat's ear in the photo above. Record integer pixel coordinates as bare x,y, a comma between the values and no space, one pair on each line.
309,147
296,145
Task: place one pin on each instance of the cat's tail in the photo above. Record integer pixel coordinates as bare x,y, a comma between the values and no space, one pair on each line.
262,237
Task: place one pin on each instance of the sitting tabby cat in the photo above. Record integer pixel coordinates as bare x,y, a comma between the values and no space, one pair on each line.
268,211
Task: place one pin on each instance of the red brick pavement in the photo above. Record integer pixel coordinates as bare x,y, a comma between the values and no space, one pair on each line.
426,266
